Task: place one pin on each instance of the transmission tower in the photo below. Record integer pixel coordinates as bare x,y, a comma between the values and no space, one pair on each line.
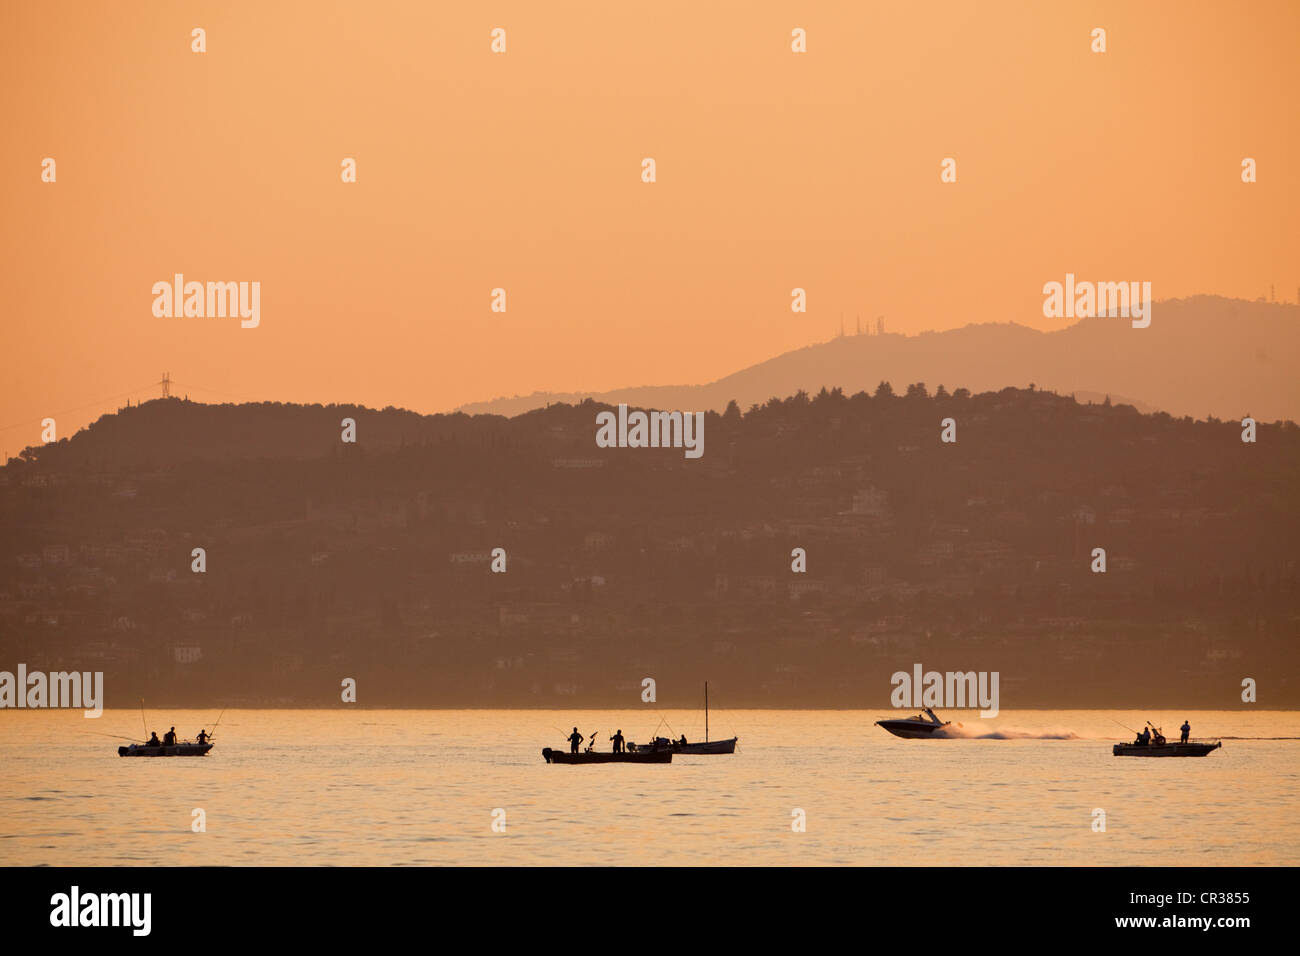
166,384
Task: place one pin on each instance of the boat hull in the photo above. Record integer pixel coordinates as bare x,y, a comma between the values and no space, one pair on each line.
909,729
640,756
175,750
708,747
1189,749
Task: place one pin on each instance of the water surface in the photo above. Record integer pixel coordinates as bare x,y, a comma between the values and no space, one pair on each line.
406,787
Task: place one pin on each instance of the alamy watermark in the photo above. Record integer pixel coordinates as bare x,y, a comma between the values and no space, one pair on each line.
195,300
102,909
1081,300
954,689
651,430
84,689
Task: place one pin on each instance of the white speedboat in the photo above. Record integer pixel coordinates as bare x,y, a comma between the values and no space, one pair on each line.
923,724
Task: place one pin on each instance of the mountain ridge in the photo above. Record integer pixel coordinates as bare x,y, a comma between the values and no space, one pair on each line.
1152,369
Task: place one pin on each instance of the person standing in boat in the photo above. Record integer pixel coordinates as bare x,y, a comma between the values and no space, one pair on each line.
169,738
618,741
1186,729
202,737
575,738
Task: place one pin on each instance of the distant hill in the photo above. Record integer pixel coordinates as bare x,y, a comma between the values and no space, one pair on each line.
372,560
1201,356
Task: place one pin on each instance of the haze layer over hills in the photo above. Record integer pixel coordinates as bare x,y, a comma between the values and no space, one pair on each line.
1201,356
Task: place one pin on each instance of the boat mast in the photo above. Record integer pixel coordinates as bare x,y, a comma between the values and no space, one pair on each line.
706,712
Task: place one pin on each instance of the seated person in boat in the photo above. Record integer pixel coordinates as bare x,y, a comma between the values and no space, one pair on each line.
682,742
618,741
203,737
153,740
169,738
1144,738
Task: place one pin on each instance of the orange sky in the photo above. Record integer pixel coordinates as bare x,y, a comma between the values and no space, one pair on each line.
522,170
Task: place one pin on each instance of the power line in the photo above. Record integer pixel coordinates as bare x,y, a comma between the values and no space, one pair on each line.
215,391
68,411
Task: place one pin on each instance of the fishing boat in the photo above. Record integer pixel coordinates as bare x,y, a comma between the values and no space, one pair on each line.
1193,748
592,756
1151,742
181,748
185,749
924,724
700,748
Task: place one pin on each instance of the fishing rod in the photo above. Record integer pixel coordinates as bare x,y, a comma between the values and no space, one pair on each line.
566,734
214,726
114,736
144,723
1125,726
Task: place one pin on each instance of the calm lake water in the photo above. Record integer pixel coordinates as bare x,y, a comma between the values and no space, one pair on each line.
380,787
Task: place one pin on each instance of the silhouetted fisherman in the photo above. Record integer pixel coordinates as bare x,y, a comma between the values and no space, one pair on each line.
1186,729
202,738
618,741
575,738
153,740
169,738
1144,738
682,742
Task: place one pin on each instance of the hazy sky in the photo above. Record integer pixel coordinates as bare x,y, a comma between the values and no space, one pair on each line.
522,170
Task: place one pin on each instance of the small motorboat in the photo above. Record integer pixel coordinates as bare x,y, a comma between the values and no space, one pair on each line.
923,724
592,756
1193,748
153,747
186,749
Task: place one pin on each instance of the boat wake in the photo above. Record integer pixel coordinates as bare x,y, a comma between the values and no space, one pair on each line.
962,732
